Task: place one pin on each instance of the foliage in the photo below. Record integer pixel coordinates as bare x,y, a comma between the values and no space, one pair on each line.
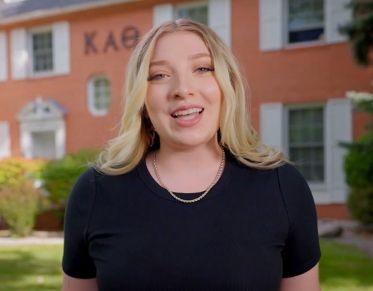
60,175
15,169
358,166
19,204
359,163
19,199
360,203
360,30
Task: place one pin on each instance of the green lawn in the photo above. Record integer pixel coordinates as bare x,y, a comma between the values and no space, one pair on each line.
30,268
37,268
345,268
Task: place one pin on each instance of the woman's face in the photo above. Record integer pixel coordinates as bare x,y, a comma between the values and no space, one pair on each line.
183,99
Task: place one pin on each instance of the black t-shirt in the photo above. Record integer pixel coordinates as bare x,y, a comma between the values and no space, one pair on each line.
252,229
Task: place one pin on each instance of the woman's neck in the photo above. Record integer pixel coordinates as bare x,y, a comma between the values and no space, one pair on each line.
187,170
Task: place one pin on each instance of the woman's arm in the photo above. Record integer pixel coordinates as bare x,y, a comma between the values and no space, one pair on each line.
74,284
308,281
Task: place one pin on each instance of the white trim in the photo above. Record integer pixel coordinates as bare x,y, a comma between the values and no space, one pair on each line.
162,13
336,14
3,57
219,19
5,146
30,65
338,129
272,125
188,5
271,24
20,53
41,13
90,96
61,47
54,125
319,190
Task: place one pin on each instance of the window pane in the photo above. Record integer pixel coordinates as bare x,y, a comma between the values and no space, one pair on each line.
101,94
42,51
197,13
306,141
306,20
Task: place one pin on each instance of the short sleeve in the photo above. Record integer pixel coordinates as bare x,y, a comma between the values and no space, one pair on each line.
302,249
76,261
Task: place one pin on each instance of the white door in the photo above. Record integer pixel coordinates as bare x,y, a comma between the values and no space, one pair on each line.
44,145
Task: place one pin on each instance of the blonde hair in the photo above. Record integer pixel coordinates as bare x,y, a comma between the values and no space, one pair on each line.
237,135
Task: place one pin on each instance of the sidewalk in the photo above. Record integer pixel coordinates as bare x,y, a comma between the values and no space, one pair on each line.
37,238
350,232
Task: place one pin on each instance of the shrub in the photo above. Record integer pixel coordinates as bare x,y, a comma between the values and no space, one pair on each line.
360,203
19,204
59,176
359,176
359,163
15,169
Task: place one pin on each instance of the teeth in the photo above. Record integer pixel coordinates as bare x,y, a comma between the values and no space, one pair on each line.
187,112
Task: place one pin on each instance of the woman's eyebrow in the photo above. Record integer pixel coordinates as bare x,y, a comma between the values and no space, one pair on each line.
192,57
199,55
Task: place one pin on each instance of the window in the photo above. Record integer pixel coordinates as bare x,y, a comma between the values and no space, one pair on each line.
99,95
306,141
42,51
194,11
305,20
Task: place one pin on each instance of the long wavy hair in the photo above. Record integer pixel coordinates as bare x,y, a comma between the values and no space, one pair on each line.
236,133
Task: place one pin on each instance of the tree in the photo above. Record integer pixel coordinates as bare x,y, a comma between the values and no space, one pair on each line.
360,30
358,164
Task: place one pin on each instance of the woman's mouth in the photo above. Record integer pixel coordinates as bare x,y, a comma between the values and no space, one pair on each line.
187,113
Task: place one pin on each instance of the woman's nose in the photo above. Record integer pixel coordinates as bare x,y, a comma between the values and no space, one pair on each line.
183,87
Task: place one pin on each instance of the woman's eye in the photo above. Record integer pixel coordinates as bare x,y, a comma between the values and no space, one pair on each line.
156,77
205,69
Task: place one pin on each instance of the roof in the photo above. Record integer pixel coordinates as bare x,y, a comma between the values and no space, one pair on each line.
29,9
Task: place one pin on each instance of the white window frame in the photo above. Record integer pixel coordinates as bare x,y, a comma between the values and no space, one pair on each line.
91,95
30,69
273,22
191,5
219,16
286,29
315,186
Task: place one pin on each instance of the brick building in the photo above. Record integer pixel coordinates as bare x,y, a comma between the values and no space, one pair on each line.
62,70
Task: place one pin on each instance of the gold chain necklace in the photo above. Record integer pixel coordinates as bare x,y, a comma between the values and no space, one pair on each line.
218,174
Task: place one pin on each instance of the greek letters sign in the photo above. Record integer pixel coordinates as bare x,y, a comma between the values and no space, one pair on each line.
127,38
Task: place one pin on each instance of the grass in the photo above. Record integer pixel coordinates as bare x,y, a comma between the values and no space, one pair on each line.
344,268
30,268
38,268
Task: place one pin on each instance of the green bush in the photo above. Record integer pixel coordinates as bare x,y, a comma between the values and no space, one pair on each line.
19,204
360,203
59,176
359,163
15,169
359,176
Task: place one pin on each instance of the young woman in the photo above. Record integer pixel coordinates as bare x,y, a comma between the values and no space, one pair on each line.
186,197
